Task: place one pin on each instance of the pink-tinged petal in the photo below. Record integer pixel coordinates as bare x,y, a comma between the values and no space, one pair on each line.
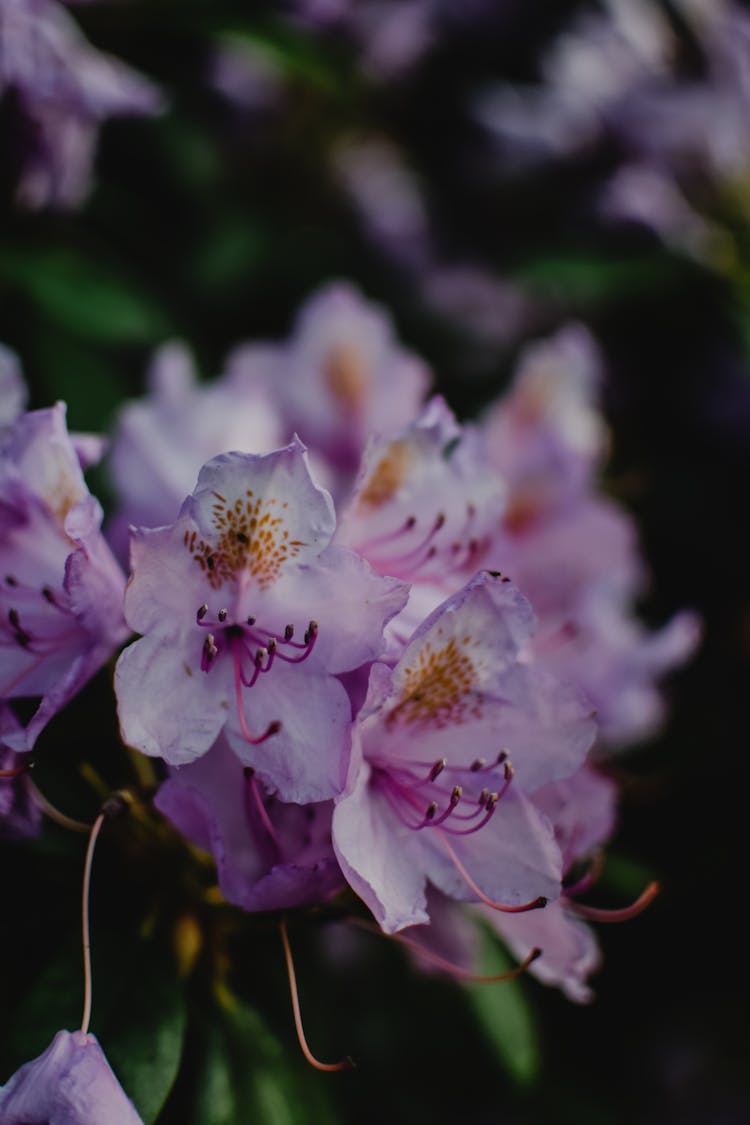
471,638
95,586
71,1083
292,864
513,859
345,375
570,953
350,602
46,460
427,502
582,810
262,512
166,705
307,759
166,586
376,855
161,441
546,726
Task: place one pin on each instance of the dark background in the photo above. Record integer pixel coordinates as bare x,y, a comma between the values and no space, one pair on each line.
213,224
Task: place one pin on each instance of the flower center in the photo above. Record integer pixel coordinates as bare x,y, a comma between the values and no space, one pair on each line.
253,651
252,539
429,796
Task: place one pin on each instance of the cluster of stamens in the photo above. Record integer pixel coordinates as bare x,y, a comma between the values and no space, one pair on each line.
395,553
254,651
448,806
14,629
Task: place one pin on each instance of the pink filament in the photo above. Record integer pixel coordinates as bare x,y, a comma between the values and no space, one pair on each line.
597,914
344,1064
535,904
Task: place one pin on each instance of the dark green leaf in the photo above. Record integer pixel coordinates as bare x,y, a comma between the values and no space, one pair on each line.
504,1013
86,297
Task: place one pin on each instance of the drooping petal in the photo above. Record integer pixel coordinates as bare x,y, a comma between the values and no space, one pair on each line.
71,1083
570,952
376,855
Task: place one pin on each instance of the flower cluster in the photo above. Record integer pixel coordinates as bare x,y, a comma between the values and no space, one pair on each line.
340,679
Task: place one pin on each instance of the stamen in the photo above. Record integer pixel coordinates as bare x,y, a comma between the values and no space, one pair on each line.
588,879
111,807
438,768
271,729
478,764
288,632
624,914
344,1064
203,610
53,813
223,614
8,775
251,620
535,904
262,810
448,966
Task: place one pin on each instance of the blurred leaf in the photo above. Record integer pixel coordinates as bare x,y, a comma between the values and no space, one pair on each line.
626,876
87,298
242,1073
233,250
72,370
144,1035
295,56
504,1013
588,279
139,1016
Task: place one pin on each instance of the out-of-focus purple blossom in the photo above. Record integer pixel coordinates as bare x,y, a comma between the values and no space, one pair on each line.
387,198
586,75
432,790
245,74
547,432
647,195
425,508
65,89
13,393
61,589
20,817
70,1084
160,442
574,553
344,377
479,303
698,130
248,617
269,855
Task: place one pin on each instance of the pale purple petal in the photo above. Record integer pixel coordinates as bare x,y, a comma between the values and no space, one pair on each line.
71,1083
570,952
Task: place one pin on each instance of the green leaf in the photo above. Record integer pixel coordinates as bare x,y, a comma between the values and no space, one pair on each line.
139,1016
89,299
588,279
242,1073
504,1013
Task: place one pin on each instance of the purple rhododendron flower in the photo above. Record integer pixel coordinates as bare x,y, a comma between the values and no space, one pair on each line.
249,615
20,816
61,589
270,855
425,508
71,1083
65,89
161,442
344,376
422,802
581,809
570,550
